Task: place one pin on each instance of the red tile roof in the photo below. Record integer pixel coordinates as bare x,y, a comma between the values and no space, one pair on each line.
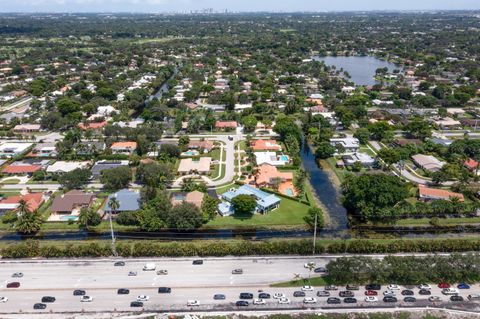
226,124
434,193
34,200
471,164
92,126
265,145
21,169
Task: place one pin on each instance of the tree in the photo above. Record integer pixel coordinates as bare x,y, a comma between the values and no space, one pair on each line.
114,204
75,179
88,217
244,204
285,126
325,150
184,217
209,207
389,156
310,218
155,174
29,223
249,123
379,130
418,128
116,178
66,105
363,134
183,142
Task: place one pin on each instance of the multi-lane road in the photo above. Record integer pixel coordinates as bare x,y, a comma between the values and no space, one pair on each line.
101,280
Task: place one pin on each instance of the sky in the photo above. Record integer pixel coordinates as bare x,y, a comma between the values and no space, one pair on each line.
154,6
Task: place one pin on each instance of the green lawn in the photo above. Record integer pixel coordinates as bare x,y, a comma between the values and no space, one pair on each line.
217,169
214,154
11,181
222,189
441,221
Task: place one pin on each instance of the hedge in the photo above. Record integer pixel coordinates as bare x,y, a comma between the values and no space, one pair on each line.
33,248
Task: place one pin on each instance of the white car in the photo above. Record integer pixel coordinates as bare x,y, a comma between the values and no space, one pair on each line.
193,303
143,298
307,288
284,301
309,300
425,286
3,299
86,299
278,295
310,265
393,287
450,291
389,293
259,302
371,299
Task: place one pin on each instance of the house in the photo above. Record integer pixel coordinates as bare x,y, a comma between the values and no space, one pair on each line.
10,149
126,148
26,128
44,150
92,125
269,176
19,168
195,198
226,125
33,200
100,166
429,194
61,167
265,201
265,145
207,146
129,201
365,159
447,123
271,158
472,165
106,110
350,144
71,202
89,147
427,162
195,166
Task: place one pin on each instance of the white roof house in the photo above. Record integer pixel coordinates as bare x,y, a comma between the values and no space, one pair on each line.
65,167
10,149
106,110
271,158
428,162
363,158
351,144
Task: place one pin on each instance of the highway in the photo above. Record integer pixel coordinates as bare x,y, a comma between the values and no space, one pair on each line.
101,279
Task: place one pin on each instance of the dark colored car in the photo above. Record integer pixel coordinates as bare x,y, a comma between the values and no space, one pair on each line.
39,306
443,285
242,303
334,300
48,299
323,293
299,294
331,287
246,295
119,263
14,284
373,287
264,295
456,298
123,291
219,297
389,299
371,293
407,292
352,287
136,304
425,292
346,293
198,262
410,299
79,292
350,300
164,290
320,270
463,286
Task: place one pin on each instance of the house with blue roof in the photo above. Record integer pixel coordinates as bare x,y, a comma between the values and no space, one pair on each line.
265,201
129,201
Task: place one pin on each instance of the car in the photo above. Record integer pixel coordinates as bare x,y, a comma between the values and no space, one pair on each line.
246,295
320,270
371,293
373,287
136,304
323,293
264,295
119,264
425,286
309,300
424,292
162,272
299,293
219,297
307,288
123,291
48,299
143,298
132,273
284,301
450,291
350,300
3,299
434,298
352,287
197,262
443,285
39,306
237,271
371,299
474,297
14,284
456,298
79,292
333,300
463,286
389,293
310,264
242,303
393,287
17,275
149,267
230,138
390,299
407,292
193,303
164,290
331,287
86,299
410,299
346,293
259,302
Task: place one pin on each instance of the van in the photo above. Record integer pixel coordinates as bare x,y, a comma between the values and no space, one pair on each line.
474,297
149,267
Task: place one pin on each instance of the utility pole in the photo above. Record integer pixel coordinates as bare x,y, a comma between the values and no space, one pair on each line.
315,233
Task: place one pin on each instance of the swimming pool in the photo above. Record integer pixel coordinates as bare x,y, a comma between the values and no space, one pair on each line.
284,158
68,218
190,153
288,192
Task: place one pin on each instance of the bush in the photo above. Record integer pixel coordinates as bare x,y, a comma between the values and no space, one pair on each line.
127,219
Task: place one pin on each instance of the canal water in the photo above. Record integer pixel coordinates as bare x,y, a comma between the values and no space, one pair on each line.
361,68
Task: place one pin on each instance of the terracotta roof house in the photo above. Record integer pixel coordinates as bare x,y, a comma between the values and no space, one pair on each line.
195,198
205,145
124,147
265,145
92,125
33,200
73,200
222,125
267,175
21,169
471,164
427,193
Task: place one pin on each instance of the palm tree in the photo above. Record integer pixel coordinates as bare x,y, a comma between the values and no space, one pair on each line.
114,204
22,208
88,217
29,223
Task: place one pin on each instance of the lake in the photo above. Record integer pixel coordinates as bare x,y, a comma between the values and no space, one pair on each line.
361,68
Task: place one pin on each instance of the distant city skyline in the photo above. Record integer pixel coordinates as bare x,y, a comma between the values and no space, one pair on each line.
230,5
